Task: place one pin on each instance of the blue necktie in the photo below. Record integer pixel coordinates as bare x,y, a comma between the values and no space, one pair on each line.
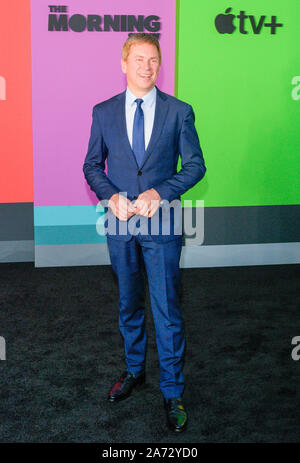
138,138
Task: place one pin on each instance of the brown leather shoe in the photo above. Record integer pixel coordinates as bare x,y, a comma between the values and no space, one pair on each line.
124,386
176,414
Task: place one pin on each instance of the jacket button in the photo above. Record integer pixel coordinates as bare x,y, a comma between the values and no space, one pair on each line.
140,172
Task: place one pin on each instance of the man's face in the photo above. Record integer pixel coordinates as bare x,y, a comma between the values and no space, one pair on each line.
141,68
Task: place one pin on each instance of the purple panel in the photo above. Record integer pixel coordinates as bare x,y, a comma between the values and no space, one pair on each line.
71,72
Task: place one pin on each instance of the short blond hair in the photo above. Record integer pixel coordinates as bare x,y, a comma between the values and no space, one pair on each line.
140,37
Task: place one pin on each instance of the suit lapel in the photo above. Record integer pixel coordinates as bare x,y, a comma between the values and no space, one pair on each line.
121,121
161,110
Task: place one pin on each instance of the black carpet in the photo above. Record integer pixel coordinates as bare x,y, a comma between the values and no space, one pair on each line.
64,351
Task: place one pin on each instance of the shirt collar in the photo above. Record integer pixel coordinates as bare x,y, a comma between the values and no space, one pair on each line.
148,99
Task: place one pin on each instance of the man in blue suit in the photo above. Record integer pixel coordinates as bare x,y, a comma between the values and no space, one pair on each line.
140,133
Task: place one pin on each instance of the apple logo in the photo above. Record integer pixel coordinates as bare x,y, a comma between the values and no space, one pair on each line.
223,22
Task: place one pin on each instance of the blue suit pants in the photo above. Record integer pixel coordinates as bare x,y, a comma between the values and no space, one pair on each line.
131,261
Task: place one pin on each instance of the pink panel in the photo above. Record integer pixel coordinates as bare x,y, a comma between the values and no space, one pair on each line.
71,72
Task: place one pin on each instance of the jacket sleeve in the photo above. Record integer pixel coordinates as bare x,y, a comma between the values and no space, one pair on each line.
94,163
192,162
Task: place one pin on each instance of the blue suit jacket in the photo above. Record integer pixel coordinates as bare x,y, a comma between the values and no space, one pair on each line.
173,134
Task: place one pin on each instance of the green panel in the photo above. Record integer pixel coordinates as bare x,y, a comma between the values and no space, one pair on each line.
240,86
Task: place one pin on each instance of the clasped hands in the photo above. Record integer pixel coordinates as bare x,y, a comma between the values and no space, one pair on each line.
146,204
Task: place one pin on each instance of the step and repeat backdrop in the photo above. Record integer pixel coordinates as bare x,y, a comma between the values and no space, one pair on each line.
236,64
16,154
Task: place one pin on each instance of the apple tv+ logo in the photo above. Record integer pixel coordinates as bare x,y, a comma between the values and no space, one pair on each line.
224,23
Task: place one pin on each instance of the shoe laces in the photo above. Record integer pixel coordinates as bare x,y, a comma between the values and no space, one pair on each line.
126,376
176,405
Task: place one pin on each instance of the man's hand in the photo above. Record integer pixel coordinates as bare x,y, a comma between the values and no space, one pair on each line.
121,206
147,203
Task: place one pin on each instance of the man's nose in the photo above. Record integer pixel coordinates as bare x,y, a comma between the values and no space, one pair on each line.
147,65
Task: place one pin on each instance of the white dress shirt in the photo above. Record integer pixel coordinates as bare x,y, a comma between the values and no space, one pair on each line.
148,107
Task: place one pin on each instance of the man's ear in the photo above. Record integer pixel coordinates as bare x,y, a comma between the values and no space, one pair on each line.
123,65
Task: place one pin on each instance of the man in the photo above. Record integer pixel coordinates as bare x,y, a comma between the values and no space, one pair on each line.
141,132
